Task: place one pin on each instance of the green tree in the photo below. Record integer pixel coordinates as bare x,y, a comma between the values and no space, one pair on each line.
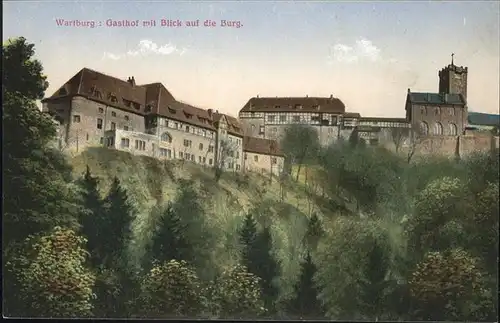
119,216
314,232
116,282
172,289
347,264
248,236
305,303
236,293
22,73
449,286
300,144
170,241
438,220
92,217
54,281
39,194
187,206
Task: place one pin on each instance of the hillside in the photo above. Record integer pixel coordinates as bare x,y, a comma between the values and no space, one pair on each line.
148,181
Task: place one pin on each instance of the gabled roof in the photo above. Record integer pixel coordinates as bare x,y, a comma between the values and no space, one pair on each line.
294,104
483,119
351,115
145,99
262,146
435,98
234,126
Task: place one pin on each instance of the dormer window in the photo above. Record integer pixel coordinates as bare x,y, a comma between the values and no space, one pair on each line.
63,91
171,110
189,116
137,106
316,107
298,106
126,102
112,97
276,106
148,108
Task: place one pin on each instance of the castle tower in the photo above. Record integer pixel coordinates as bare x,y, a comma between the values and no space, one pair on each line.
453,79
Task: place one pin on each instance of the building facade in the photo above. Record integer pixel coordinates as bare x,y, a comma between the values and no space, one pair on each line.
94,109
262,155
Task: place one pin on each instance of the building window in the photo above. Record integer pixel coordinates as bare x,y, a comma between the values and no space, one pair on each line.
237,167
165,152
270,118
101,140
140,145
187,143
187,128
253,128
99,123
101,110
210,149
192,158
261,130
127,118
256,158
113,126
200,146
283,118
437,111
76,118
125,128
453,129
274,160
166,137
423,111
237,155
438,128
113,114
296,119
125,143
204,160
181,154
87,137
424,128
199,159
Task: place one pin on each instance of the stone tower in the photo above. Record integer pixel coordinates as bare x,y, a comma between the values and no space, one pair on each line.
453,80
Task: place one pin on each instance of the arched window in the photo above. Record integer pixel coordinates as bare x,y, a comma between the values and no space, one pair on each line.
438,128
424,128
453,129
166,137
437,111
253,128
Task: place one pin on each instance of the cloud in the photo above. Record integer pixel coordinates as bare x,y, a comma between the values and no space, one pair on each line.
363,49
146,48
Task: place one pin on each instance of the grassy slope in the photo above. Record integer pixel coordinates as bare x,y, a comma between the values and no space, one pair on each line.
149,181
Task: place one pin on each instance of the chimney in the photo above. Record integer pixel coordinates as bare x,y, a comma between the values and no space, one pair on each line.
257,96
307,95
331,96
210,112
409,90
131,80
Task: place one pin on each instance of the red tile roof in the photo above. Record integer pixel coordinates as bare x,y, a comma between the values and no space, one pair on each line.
262,146
294,104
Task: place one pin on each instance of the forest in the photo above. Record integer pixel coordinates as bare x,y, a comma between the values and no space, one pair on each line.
380,236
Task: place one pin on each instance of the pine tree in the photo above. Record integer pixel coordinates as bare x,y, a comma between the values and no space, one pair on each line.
117,231
266,267
305,302
92,217
248,237
314,232
170,242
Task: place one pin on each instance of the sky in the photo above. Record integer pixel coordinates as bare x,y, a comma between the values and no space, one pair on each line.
365,53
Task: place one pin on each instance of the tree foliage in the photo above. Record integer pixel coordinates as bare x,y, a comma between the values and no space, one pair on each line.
450,286
52,276
172,289
305,302
236,293
300,144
